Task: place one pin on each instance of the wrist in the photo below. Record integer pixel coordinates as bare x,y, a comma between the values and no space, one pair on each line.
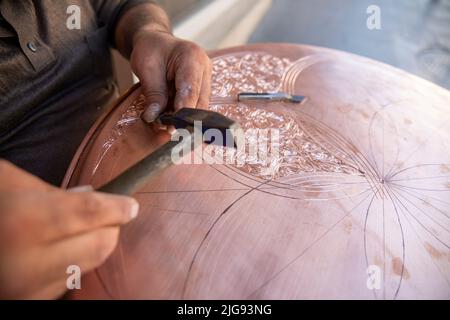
141,19
150,28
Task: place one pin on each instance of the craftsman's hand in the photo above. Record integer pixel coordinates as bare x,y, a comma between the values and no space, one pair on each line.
167,65
43,230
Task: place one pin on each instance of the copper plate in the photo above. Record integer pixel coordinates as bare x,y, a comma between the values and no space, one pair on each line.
357,205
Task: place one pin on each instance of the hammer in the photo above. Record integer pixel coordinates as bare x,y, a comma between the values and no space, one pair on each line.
137,175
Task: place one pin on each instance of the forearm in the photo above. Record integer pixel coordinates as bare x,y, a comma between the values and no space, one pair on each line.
141,18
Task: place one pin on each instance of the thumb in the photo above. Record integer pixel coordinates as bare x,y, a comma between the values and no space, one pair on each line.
154,88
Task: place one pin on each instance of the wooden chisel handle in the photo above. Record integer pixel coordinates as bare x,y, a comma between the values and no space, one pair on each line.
138,175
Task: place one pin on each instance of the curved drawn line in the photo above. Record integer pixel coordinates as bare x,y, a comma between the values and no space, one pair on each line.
103,284
206,236
415,188
306,249
417,166
365,237
403,244
423,245
288,197
425,228
427,202
421,210
357,157
421,178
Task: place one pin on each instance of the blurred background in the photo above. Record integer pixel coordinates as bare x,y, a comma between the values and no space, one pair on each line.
414,35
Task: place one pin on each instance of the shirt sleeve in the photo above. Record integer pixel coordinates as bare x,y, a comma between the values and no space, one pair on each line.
109,13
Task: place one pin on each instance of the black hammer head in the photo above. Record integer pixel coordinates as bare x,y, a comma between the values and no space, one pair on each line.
185,118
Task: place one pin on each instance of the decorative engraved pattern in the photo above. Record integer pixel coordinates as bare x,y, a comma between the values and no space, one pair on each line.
258,72
254,72
297,150
128,118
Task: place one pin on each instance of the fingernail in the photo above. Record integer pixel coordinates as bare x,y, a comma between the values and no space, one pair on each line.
85,188
134,208
152,112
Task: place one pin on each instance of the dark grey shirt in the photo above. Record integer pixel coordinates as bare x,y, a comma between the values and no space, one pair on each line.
54,81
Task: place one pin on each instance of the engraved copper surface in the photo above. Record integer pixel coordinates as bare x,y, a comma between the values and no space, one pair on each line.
131,115
355,205
297,150
247,71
